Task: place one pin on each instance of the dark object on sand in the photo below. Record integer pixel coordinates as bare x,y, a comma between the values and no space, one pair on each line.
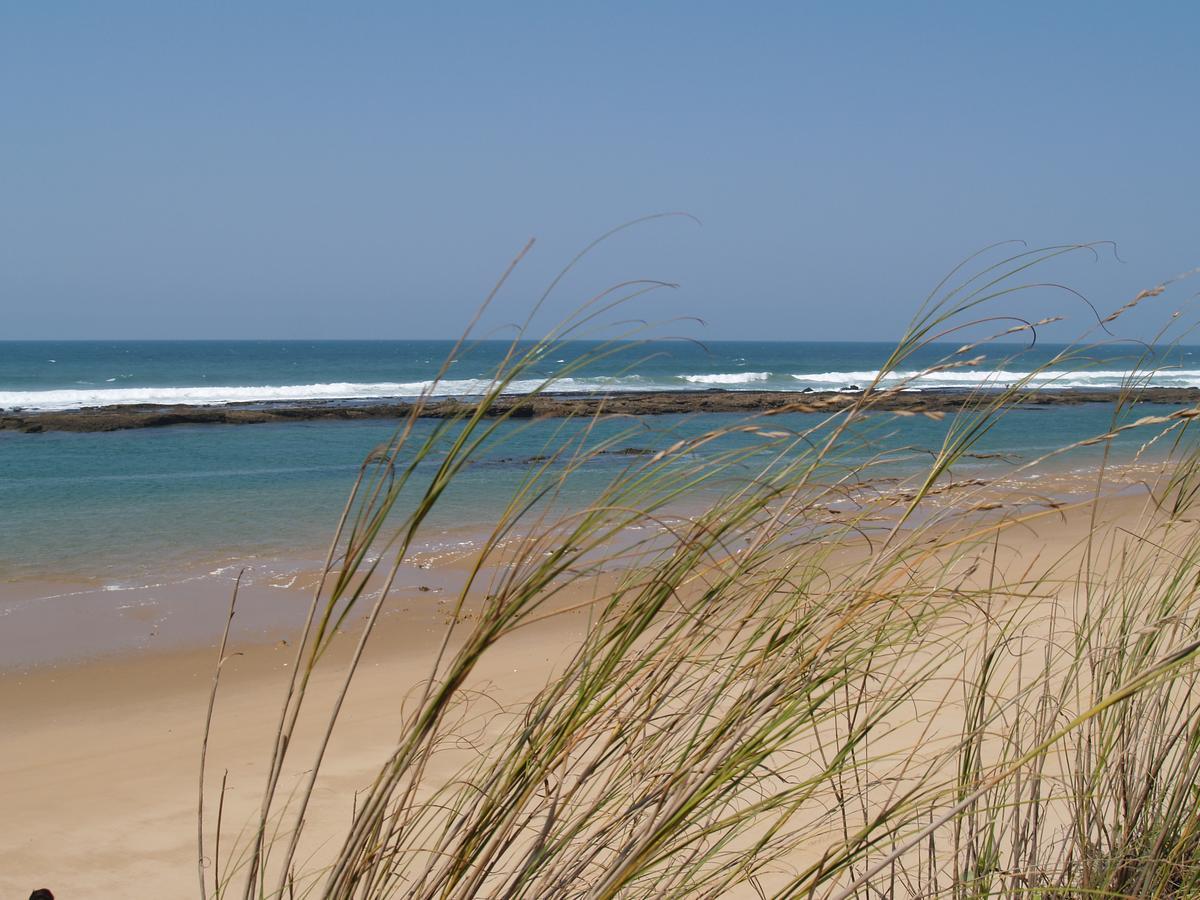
41,894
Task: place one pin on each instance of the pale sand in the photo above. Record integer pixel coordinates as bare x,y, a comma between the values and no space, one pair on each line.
99,759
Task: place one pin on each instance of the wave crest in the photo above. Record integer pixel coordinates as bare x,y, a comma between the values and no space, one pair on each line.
728,378
209,395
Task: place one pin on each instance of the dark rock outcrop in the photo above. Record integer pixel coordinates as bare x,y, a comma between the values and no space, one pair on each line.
116,418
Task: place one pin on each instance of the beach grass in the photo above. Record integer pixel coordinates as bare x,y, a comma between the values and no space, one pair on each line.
815,682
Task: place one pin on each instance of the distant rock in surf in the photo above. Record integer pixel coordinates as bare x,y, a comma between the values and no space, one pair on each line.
115,418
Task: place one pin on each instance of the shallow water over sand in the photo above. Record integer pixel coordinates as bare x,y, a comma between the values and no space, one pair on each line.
124,507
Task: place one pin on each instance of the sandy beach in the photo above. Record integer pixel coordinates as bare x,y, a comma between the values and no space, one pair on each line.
99,756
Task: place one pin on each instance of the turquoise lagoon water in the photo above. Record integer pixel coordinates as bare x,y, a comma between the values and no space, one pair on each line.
118,506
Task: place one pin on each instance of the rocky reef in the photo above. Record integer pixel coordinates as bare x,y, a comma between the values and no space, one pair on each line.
116,418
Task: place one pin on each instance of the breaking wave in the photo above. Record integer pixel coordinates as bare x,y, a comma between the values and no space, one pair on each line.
728,378
968,379
84,396
216,396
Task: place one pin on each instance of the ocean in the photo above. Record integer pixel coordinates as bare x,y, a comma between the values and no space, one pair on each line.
65,375
116,507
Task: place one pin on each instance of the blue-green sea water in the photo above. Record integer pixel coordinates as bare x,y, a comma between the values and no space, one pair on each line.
64,375
115,506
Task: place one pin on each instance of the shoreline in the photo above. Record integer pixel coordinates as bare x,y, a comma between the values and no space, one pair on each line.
551,405
63,620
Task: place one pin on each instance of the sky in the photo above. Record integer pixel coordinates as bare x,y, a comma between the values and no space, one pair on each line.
350,170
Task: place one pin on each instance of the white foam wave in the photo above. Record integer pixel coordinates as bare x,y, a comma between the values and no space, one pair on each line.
206,395
63,399
972,378
728,378
217,396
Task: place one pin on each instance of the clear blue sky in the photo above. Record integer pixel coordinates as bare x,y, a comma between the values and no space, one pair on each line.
366,170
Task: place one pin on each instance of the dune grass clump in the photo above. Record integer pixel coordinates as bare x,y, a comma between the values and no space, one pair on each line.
1089,706
809,682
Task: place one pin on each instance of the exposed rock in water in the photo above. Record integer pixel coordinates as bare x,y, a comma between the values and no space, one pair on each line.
116,418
